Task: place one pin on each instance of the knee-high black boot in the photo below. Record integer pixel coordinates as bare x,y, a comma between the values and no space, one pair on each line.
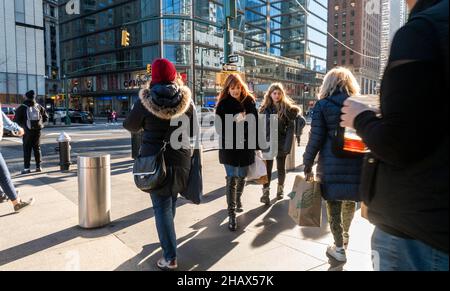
239,190
231,201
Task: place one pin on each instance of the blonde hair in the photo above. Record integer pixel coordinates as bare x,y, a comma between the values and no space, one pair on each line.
339,79
232,81
286,103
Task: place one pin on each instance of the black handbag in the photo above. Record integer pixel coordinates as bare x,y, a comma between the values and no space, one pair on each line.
194,188
150,172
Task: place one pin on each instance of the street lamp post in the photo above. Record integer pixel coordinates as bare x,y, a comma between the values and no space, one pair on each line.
201,77
66,98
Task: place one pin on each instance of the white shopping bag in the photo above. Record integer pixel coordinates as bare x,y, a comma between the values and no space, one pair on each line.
258,168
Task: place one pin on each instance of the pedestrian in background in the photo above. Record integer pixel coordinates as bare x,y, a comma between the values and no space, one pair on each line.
31,116
5,177
339,177
405,178
114,116
236,101
276,102
167,98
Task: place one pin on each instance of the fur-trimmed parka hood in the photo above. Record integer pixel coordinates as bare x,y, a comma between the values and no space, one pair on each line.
166,101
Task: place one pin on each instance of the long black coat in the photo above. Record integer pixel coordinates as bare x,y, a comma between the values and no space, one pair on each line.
152,113
340,177
405,179
242,153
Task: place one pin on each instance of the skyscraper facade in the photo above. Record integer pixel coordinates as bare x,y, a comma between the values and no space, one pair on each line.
102,75
22,65
355,42
393,16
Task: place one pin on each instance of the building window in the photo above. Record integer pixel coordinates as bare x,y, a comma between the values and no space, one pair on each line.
52,11
20,11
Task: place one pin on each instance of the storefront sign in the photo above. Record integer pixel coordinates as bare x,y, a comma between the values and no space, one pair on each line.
137,83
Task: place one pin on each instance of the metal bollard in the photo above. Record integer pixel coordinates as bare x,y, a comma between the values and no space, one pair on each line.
290,160
94,190
136,140
64,151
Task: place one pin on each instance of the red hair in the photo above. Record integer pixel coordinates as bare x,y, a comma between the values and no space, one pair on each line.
232,81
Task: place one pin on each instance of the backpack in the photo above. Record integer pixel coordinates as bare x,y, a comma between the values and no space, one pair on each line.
34,117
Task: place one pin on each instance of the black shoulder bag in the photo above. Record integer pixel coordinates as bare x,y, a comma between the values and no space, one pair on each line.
150,172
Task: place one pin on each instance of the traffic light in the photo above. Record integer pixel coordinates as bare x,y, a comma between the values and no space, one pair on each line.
125,38
149,69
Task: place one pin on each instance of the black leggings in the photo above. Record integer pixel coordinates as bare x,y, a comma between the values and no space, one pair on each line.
281,167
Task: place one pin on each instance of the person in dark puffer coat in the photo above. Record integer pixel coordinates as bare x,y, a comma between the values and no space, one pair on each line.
339,177
166,99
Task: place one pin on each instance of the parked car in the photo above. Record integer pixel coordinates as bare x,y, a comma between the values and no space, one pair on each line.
9,111
76,116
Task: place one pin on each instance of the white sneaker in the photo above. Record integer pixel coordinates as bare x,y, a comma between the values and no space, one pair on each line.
337,253
167,265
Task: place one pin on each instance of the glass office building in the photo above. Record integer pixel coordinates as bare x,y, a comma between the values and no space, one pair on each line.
102,75
22,65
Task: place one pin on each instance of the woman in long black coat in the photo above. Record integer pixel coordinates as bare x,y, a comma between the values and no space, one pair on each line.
237,151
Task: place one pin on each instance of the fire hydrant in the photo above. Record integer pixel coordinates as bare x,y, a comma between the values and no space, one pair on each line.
64,151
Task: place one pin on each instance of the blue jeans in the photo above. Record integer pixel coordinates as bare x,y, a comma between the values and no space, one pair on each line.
232,171
165,208
5,180
392,253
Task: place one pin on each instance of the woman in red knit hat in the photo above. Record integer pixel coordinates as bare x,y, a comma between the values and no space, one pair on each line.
166,98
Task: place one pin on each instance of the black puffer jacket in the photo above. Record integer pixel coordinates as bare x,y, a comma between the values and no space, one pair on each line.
243,152
152,113
405,180
340,177
287,128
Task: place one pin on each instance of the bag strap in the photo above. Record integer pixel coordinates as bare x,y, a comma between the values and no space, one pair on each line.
166,139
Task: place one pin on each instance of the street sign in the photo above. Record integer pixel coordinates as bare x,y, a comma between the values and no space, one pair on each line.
233,59
229,67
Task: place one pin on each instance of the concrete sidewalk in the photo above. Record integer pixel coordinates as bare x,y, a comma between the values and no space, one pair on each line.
46,236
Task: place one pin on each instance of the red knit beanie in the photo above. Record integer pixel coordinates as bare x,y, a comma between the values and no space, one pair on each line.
163,71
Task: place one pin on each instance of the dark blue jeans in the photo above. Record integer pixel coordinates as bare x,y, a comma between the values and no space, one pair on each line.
5,180
165,208
392,253
233,171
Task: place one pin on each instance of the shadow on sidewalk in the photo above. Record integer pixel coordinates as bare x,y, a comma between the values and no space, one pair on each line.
273,223
41,244
201,249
